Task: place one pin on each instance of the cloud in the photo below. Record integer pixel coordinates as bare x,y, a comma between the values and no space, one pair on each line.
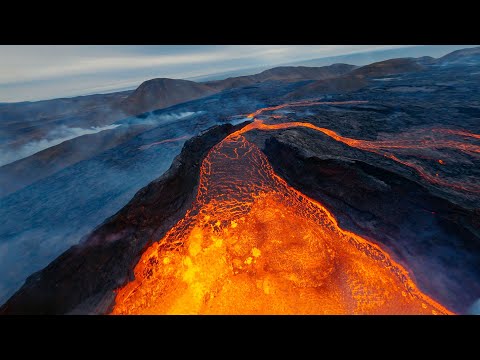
29,63
167,118
53,138
151,119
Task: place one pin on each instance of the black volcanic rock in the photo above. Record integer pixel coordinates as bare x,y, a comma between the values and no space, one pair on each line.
375,198
83,279
160,93
368,194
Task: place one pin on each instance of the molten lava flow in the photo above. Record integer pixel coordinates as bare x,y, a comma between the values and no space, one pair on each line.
251,244
303,104
410,146
457,132
403,144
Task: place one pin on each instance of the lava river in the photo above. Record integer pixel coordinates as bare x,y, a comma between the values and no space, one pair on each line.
251,244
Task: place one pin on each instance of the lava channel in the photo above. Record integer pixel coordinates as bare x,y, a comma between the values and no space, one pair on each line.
405,144
405,148
251,244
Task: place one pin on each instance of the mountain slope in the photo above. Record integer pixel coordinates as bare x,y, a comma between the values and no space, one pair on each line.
358,78
463,56
162,92
21,123
388,67
284,73
370,194
23,172
369,57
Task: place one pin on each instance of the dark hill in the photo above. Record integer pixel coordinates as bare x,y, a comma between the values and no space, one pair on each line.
162,92
463,56
284,73
357,78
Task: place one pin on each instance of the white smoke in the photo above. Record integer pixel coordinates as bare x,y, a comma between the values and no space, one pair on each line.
64,133
54,137
167,118
474,308
240,120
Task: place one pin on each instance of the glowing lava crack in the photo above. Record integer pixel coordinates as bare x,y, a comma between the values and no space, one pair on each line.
251,244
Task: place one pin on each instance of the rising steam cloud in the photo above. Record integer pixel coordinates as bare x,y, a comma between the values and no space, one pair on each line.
152,119
53,138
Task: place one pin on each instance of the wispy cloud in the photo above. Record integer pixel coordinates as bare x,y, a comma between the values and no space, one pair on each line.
27,63
156,120
55,137
64,133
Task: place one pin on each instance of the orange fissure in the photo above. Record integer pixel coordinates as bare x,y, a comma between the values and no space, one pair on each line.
252,244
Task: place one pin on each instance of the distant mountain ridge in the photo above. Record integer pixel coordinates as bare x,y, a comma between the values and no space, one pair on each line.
163,92
388,67
358,78
283,73
462,56
369,57
358,59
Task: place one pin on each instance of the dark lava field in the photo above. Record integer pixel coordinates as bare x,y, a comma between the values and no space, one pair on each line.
404,174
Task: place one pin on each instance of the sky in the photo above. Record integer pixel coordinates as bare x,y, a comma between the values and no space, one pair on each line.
38,72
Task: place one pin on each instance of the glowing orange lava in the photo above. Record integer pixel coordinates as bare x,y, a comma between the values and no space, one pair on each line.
409,144
303,104
405,143
251,244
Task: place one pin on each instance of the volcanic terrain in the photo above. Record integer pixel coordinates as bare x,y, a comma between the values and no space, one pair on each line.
346,190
